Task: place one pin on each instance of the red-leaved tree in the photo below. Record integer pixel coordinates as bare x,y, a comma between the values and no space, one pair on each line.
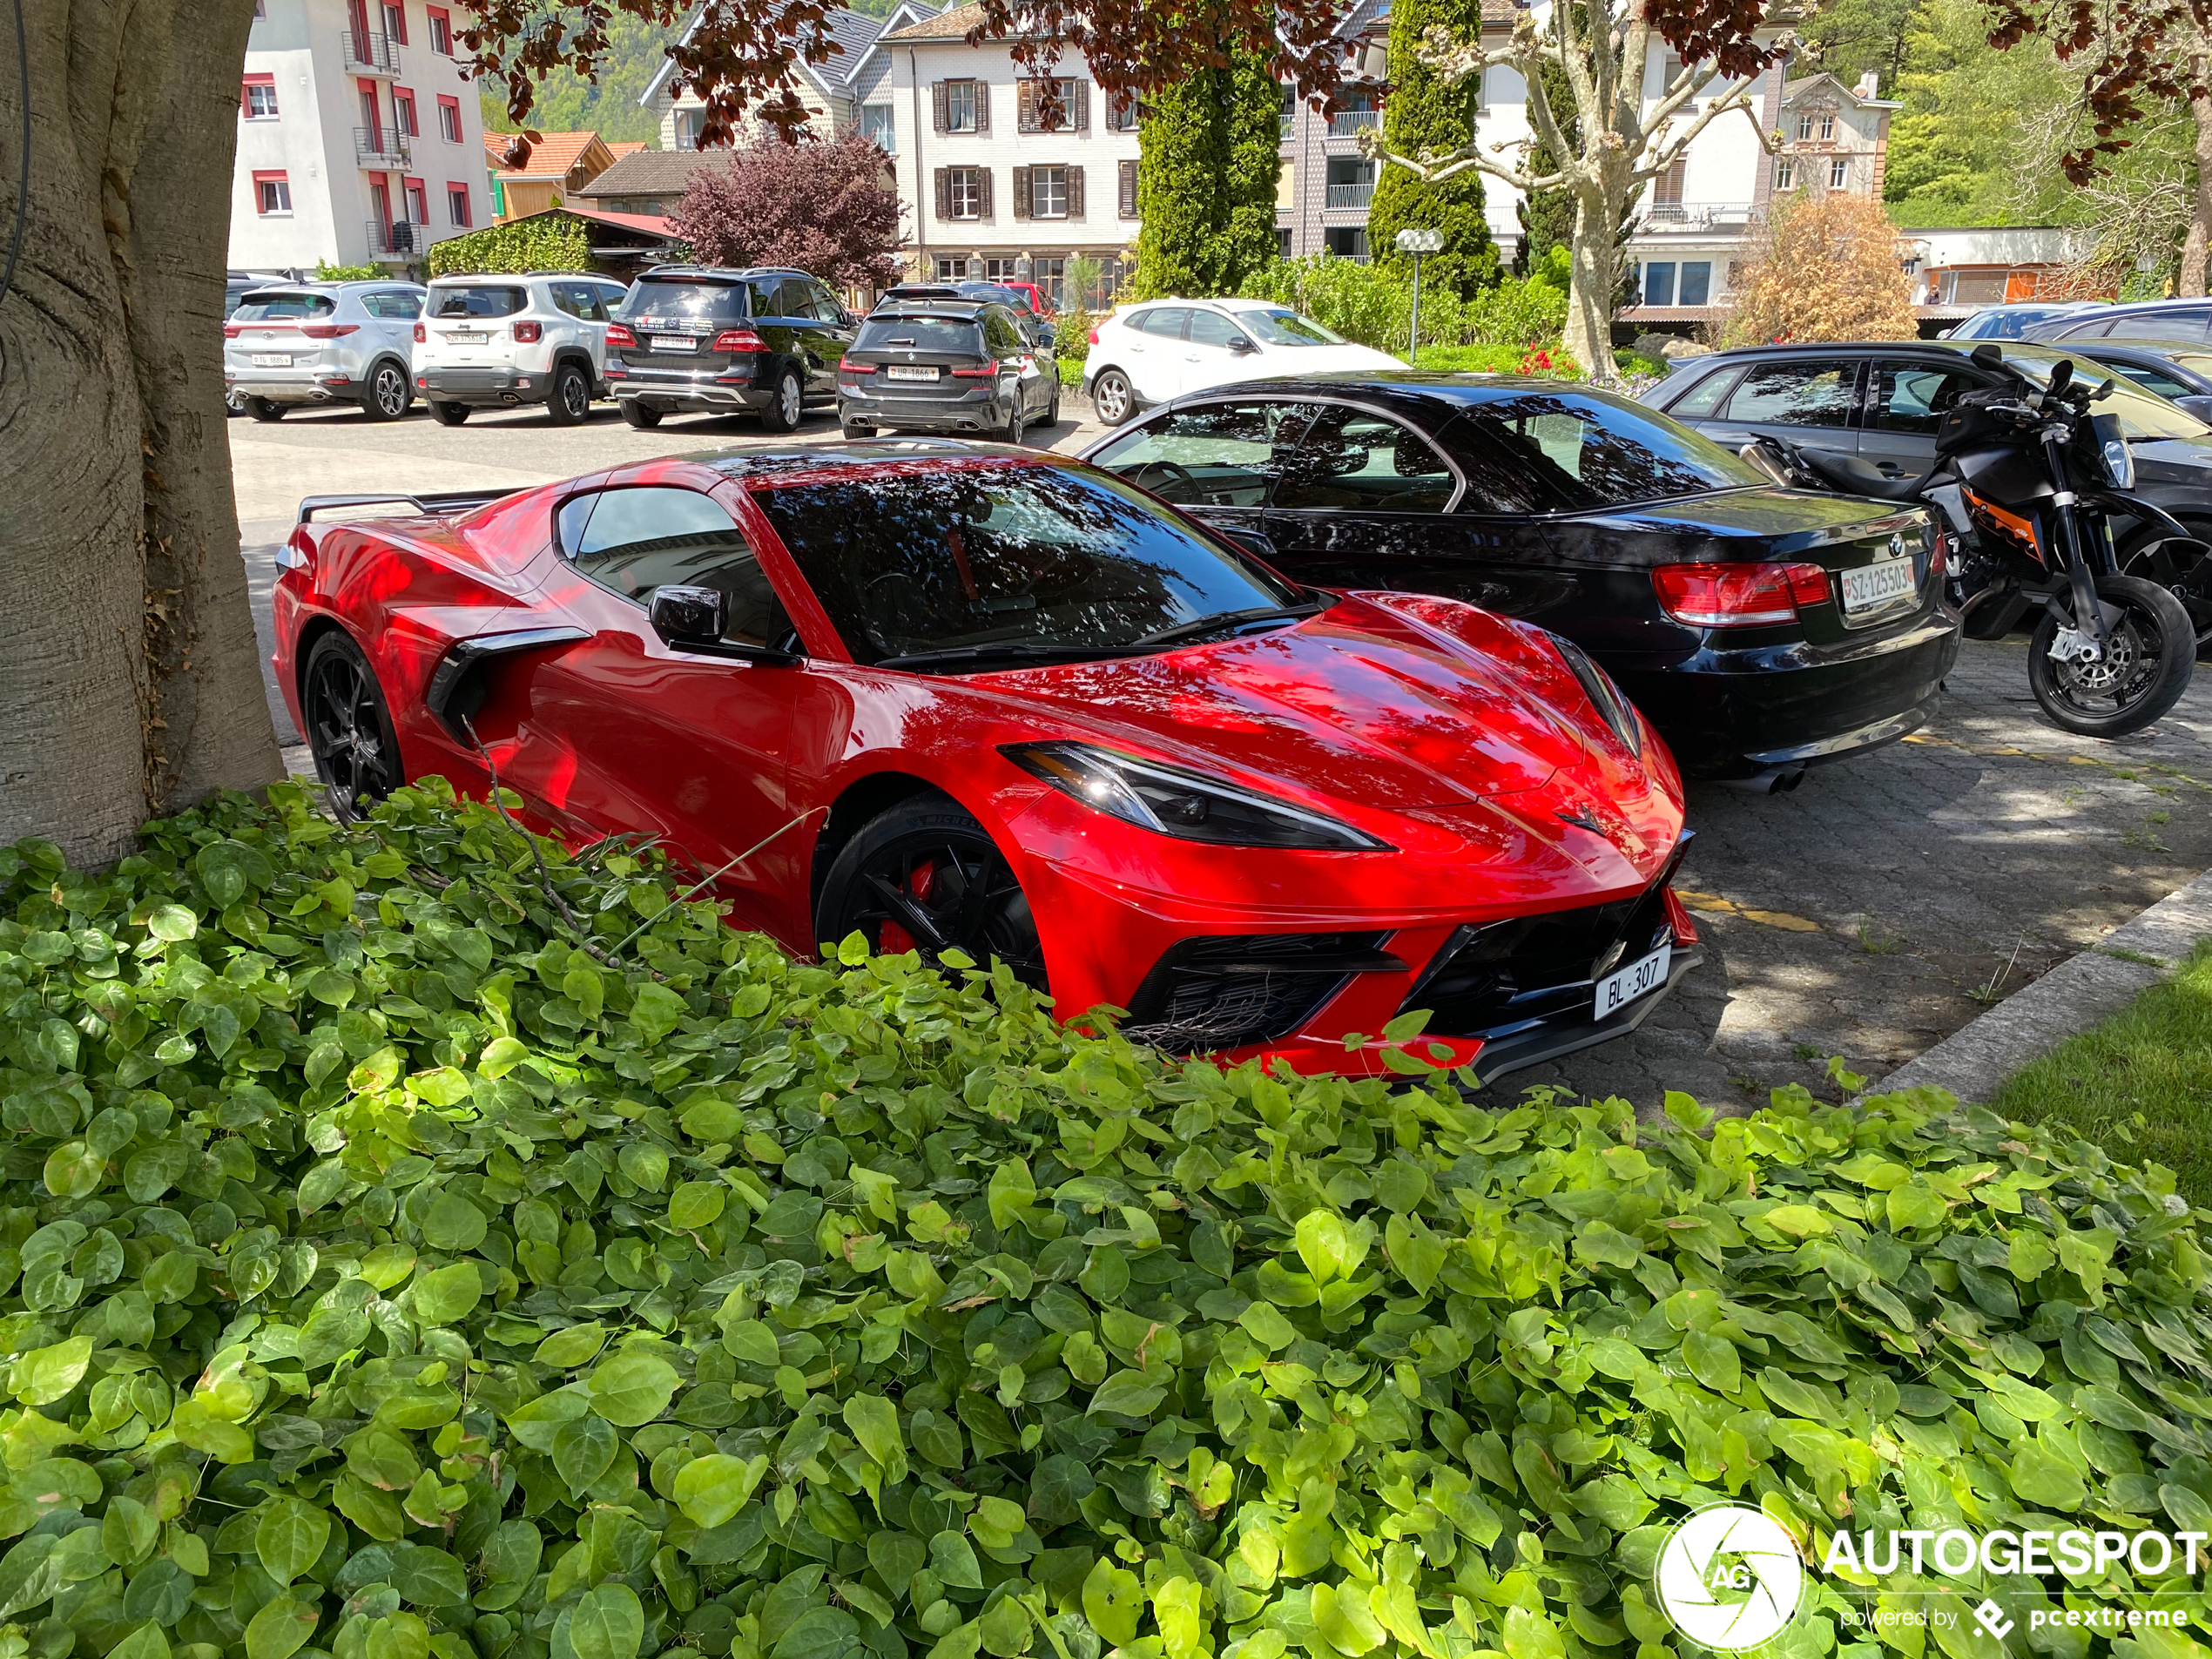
825,208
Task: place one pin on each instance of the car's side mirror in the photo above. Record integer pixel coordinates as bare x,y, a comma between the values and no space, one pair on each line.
1240,346
692,619
1988,354
2196,404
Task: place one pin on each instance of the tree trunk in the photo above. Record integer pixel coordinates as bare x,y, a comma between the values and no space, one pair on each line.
128,679
1596,280
2194,248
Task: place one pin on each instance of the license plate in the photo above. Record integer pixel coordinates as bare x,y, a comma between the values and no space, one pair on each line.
675,343
467,337
1615,991
909,372
271,359
1873,585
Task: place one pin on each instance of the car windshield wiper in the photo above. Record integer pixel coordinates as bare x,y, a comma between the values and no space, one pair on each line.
1010,650
1201,626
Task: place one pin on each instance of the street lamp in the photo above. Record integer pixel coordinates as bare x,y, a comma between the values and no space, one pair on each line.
1417,243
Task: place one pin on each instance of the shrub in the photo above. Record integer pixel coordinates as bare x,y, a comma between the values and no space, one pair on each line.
549,242
326,271
1373,305
1822,267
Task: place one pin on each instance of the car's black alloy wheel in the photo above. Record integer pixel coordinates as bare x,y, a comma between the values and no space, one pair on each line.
2148,657
926,876
449,413
639,415
349,726
570,400
262,409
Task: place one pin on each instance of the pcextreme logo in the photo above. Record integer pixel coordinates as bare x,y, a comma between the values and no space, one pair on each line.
1729,1577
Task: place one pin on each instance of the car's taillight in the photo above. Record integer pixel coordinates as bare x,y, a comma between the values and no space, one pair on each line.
529,334
619,335
1094,336
421,335
982,373
852,370
1938,552
1738,596
329,330
739,340
232,331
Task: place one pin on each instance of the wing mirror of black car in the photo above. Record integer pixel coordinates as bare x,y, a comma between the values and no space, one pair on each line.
2196,404
1988,354
692,619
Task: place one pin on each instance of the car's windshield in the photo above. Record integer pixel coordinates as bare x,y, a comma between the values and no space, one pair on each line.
1029,558
2142,413
477,302
2005,322
719,301
283,308
1589,451
919,333
1286,329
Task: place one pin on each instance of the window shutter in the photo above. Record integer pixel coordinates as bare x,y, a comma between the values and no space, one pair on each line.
983,176
983,125
940,120
1079,117
1074,192
1025,106
944,189
1129,189
1024,202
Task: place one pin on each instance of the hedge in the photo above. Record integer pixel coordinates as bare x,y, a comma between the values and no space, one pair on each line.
418,1241
542,242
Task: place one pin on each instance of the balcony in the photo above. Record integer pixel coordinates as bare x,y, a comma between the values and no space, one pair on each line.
370,54
1696,216
380,147
397,240
1354,197
1350,124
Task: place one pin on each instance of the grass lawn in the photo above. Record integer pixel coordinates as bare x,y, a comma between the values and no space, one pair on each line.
2155,1057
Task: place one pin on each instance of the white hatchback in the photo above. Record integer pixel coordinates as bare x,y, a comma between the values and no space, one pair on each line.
1145,355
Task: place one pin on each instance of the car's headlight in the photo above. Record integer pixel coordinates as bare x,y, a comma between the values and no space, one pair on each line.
1618,713
1186,805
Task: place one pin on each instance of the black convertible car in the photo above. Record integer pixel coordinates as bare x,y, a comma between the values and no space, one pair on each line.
1761,630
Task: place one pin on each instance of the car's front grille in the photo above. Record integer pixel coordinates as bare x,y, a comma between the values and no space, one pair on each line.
1229,991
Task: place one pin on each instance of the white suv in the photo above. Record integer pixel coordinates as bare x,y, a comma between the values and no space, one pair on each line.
1147,354
500,341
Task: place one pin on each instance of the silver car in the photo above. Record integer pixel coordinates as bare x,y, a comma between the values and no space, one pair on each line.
323,342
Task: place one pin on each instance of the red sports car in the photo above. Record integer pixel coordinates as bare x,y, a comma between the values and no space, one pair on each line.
954,696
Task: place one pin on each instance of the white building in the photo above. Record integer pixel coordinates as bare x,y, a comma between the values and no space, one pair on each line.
359,140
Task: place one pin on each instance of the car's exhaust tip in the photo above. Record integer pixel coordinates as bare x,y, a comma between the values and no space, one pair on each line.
1775,780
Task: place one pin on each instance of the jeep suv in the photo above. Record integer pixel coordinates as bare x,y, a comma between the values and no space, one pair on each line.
695,338
321,342
504,342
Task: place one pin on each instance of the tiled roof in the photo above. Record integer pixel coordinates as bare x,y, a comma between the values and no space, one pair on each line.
952,25
1501,11
551,157
851,33
627,147
648,172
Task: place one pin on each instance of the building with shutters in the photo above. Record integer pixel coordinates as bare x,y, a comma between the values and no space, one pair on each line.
359,141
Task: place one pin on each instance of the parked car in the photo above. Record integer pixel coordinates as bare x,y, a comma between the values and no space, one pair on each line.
2188,321
949,696
1021,298
2005,321
2180,373
507,341
1762,631
1883,399
721,342
323,342
946,366
236,286
1145,354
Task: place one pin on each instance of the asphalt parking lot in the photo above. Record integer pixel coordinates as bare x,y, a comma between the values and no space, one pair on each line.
1866,915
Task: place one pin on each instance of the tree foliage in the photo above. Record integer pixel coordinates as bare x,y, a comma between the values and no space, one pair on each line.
548,241
1423,113
1209,154
1824,266
607,101
826,209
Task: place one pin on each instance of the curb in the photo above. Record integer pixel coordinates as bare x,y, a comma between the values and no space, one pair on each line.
1974,1062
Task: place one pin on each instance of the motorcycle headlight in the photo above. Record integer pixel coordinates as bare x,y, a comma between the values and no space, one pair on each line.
1615,710
1186,805
2119,459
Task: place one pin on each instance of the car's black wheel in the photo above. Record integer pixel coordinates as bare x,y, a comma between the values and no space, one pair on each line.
349,726
233,404
262,409
2149,658
388,395
449,413
857,429
1052,409
638,415
926,876
1113,397
1017,418
570,402
2178,565
786,405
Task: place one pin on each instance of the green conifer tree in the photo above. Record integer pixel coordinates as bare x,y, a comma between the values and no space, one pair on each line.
1422,113
1209,151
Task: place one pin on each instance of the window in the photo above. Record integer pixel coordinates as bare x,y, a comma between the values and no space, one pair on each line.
259,101
1911,397
1351,460
449,118
1286,328
1121,113
633,541
1838,173
396,304
272,193
1048,193
952,270
1288,111
1696,287
2173,325
1167,322
1817,393
457,204
964,193
1211,328
441,31
1786,174
1804,128
1225,456
403,118
1001,335
2152,380
418,202
1050,276
472,301
1666,189
395,22
1565,448
962,107
1061,104
1658,283
1126,193
1828,126
876,124
1703,398
266,306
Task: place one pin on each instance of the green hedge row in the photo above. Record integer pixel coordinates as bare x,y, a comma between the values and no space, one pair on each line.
408,1253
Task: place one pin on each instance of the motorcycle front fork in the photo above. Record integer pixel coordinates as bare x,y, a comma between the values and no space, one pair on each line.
2087,551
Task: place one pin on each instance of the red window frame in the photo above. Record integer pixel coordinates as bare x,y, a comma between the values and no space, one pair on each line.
398,14
459,193
417,197
404,120
271,176
454,133
441,25
245,108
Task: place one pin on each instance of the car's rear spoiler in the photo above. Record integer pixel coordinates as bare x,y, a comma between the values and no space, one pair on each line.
430,503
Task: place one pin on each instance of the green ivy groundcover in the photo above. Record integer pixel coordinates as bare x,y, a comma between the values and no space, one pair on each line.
407,1252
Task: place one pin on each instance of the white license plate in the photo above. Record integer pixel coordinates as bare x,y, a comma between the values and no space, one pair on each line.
1874,585
910,372
1615,991
467,337
271,359
675,343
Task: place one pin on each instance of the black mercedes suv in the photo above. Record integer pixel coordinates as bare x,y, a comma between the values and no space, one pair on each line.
706,340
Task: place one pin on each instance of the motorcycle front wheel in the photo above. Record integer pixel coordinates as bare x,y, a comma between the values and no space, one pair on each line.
2146,667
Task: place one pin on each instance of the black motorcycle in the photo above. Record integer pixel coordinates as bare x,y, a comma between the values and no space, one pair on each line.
2029,481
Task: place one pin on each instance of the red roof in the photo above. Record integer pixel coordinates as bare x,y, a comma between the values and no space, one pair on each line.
551,157
648,224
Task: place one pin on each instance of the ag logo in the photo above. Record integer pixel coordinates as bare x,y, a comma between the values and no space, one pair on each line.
1729,1577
